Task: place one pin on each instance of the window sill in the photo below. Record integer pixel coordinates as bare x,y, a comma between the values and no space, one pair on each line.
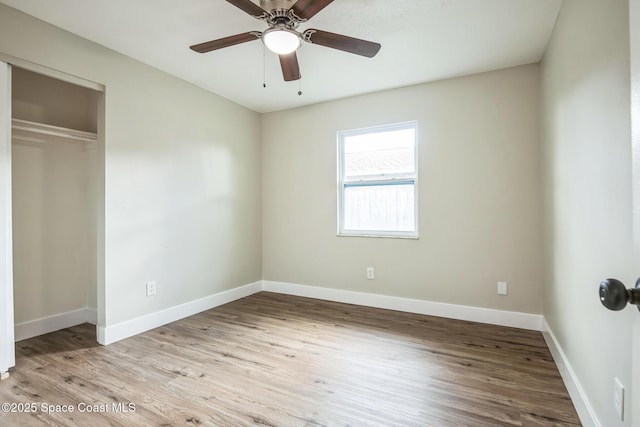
380,236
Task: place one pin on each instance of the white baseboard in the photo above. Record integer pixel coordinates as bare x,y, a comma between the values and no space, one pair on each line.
44,325
132,327
579,398
144,323
452,311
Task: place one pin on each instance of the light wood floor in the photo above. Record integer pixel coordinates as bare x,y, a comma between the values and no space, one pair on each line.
275,360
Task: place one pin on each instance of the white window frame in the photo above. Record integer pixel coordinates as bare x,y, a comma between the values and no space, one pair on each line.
381,179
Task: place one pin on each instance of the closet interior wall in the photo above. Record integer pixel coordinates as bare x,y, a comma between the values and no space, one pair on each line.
54,202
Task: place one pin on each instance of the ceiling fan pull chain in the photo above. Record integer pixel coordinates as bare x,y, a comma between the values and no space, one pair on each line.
300,85
264,66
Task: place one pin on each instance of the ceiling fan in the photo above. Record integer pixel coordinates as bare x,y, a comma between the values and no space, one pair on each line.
283,17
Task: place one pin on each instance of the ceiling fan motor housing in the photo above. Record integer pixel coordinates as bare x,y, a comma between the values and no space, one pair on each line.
280,12
276,5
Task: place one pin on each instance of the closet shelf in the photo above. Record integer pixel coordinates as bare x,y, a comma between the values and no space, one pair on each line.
28,131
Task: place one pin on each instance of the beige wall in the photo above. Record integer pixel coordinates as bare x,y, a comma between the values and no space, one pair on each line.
585,76
51,235
479,194
182,174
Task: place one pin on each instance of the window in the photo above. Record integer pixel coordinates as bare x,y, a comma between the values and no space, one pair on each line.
377,182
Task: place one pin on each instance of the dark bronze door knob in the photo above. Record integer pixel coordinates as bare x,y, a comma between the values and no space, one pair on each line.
615,296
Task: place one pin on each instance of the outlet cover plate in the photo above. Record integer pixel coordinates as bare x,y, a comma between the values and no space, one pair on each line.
151,288
502,288
618,398
371,273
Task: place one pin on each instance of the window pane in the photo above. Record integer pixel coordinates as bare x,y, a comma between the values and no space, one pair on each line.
379,208
380,153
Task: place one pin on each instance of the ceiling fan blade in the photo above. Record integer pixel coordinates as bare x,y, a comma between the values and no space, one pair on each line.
290,68
250,7
340,42
306,9
225,42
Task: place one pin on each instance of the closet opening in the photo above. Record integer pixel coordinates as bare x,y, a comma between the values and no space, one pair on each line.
54,188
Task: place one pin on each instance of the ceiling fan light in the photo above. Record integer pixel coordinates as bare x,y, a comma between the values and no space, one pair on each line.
281,40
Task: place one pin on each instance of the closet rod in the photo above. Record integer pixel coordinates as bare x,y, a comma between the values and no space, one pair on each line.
21,127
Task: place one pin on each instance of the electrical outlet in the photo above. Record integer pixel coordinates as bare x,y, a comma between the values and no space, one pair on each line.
151,288
370,273
618,398
502,288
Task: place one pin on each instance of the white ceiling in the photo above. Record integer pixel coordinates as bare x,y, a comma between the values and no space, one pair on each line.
422,40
